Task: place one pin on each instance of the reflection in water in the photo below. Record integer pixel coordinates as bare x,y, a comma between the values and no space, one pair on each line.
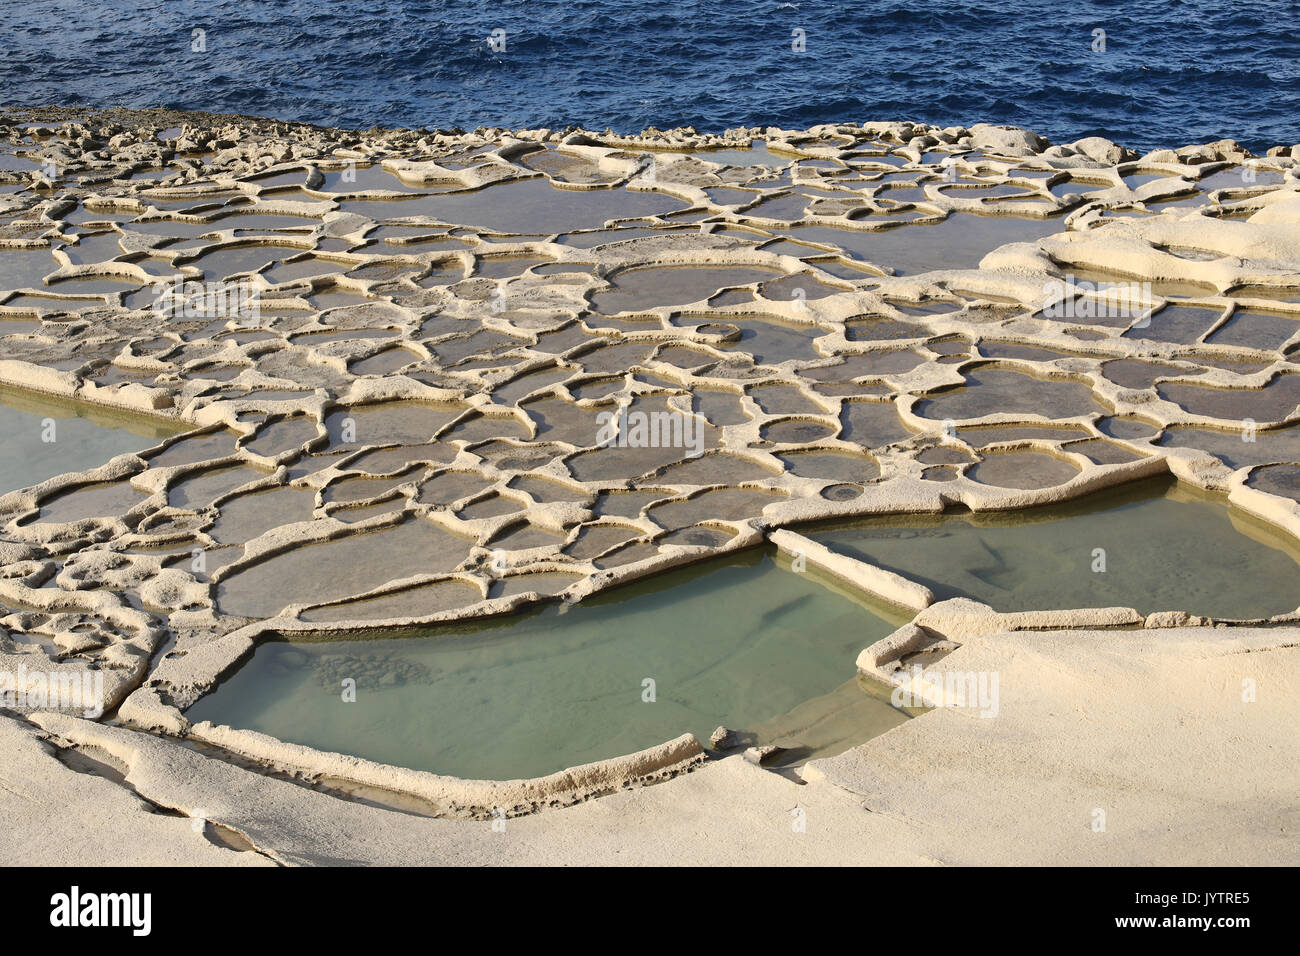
1166,547
736,641
83,436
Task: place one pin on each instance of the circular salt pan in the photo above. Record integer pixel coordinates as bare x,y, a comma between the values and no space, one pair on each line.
1022,470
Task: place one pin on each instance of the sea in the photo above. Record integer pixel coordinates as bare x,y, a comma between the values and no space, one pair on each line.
1147,74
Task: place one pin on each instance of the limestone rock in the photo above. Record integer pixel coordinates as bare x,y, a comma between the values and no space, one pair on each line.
1102,150
760,755
1008,140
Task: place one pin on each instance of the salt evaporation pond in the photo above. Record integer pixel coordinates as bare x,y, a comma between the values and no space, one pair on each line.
83,436
735,641
1166,548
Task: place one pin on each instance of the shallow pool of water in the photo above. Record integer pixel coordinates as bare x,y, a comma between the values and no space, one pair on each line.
46,436
958,242
1165,547
737,641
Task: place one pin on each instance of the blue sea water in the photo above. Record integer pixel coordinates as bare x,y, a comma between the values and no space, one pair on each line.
1172,71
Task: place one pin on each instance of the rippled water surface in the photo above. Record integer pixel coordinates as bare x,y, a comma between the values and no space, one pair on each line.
1171,72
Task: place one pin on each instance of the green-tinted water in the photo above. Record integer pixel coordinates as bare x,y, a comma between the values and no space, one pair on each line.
1164,546
736,641
46,436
